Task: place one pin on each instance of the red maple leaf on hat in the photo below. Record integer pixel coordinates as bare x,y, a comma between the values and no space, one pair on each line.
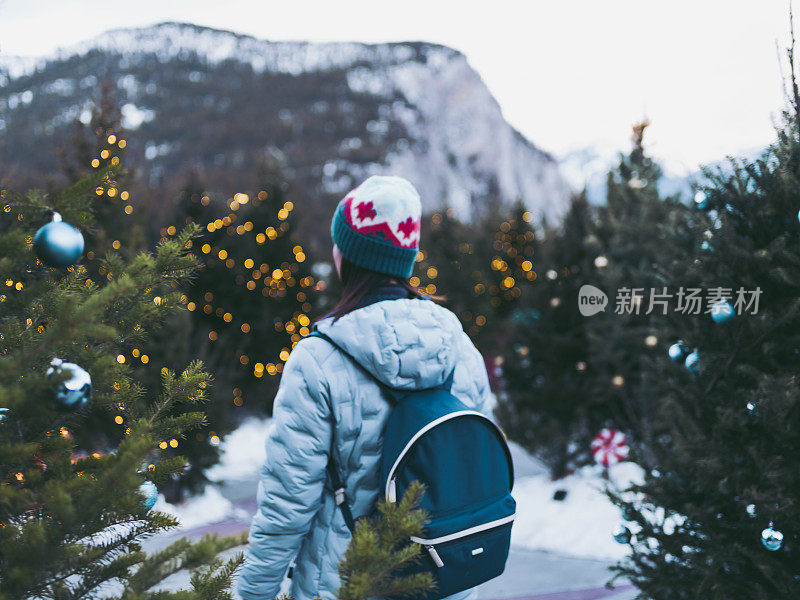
408,227
366,211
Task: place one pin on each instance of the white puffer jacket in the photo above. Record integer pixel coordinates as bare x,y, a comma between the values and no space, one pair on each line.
405,343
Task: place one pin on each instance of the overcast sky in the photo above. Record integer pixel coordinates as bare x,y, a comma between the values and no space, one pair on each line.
567,73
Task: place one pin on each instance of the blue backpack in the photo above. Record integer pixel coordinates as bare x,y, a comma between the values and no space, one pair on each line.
463,460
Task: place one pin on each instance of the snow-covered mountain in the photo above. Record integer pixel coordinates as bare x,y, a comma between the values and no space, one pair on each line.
216,101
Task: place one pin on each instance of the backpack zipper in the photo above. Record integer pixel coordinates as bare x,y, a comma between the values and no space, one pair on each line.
437,560
430,543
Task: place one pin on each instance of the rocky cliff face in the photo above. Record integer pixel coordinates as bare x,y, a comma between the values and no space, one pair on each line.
216,102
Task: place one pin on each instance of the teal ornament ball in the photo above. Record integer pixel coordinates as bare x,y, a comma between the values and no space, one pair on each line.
701,200
678,351
75,391
772,538
692,362
4,413
622,535
722,312
58,244
150,492
706,246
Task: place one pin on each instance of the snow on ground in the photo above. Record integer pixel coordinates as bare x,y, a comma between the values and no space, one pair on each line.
581,525
241,456
242,452
209,507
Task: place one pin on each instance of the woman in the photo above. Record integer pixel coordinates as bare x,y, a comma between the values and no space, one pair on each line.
327,404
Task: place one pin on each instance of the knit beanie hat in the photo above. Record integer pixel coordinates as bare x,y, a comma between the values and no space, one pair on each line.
376,226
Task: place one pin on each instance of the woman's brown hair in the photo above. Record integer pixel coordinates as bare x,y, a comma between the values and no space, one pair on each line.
358,283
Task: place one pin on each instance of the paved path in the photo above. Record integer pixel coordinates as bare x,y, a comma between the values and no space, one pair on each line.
529,574
590,594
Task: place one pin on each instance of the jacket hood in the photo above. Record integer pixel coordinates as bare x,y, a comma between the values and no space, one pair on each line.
404,343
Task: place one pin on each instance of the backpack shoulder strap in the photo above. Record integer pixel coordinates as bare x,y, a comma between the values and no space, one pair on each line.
339,493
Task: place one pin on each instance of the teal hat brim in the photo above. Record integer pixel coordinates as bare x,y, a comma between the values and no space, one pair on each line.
369,252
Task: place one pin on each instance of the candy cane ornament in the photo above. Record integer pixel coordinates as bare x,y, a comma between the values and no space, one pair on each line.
609,447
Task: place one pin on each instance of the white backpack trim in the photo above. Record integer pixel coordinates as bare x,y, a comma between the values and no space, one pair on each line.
464,532
430,543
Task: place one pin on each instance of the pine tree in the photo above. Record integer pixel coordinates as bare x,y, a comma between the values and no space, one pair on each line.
72,512
376,561
569,375
547,402
174,344
726,464
641,236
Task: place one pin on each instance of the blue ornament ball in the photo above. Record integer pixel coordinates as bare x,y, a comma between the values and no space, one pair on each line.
722,312
772,539
706,246
150,492
4,412
58,244
76,391
692,362
701,200
678,351
622,535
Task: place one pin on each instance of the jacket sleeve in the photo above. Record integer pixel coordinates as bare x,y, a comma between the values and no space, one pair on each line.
292,478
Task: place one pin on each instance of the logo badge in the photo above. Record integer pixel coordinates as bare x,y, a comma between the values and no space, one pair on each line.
591,300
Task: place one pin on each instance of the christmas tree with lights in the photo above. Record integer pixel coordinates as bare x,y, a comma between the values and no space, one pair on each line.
250,303
716,515
452,263
511,272
246,308
75,506
481,269
546,403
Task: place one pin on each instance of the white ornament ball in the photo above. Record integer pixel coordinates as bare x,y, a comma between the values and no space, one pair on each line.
76,391
772,539
150,492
